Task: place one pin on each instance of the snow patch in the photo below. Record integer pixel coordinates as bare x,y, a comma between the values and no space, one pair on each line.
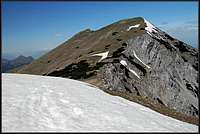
103,55
150,28
64,101
140,60
50,91
123,62
77,111
132,71
134,26
44,102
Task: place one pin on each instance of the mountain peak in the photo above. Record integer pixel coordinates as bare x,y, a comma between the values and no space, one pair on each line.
130,55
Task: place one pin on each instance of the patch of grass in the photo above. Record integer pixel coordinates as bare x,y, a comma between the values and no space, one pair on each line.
123,21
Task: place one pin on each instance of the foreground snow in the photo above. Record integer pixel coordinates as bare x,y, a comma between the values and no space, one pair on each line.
42,103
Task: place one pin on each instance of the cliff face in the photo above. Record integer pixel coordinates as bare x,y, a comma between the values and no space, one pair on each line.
130,55
167,77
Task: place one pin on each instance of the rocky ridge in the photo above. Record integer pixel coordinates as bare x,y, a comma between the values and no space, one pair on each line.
130,55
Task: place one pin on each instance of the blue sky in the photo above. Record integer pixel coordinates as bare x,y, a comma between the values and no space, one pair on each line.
38,26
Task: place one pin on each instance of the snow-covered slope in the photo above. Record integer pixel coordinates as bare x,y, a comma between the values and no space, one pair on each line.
42,103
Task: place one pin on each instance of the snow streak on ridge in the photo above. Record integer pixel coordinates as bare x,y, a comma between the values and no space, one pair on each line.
134,26
103,55
132,71
140,60
150,28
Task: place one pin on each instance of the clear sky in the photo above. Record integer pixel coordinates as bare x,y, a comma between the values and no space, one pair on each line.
36,26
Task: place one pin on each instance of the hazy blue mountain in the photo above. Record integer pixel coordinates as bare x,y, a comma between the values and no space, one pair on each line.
34,54
7,65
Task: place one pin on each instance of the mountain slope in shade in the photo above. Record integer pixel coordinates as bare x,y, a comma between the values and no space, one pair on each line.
131,56
8,65
41,103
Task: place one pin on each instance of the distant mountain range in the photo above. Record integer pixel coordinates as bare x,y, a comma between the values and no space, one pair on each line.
128,57
7,65
34,54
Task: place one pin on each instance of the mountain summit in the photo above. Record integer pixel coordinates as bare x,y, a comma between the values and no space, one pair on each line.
131,56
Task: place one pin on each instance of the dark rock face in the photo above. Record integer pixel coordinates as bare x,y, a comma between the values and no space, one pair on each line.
171,81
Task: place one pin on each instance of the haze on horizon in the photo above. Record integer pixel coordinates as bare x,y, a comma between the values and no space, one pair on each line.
30,27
